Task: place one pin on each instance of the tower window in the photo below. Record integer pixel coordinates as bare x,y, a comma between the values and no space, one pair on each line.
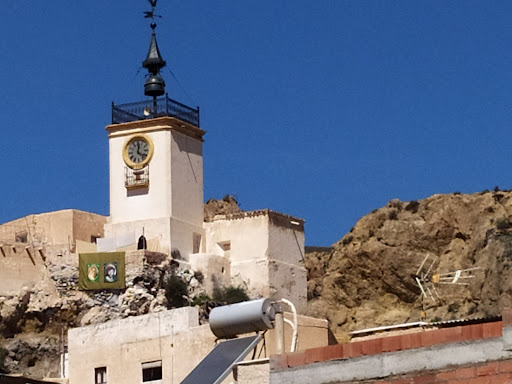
152,371
100,375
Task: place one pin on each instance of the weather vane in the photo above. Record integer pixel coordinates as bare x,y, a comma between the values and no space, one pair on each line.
154,85
151,14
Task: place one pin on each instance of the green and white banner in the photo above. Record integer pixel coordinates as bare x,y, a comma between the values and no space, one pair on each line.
104,270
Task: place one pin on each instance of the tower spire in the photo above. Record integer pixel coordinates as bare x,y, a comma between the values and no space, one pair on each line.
154,85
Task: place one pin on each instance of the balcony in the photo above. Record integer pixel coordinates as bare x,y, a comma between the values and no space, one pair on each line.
149,109
136,178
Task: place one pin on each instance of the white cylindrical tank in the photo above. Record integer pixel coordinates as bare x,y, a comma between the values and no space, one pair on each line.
236,319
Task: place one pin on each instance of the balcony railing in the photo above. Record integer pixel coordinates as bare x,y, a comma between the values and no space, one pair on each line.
136,178
164,106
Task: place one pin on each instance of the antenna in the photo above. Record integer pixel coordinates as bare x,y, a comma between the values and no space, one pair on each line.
427,281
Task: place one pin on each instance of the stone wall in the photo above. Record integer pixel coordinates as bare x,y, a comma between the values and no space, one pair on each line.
20,269
29,245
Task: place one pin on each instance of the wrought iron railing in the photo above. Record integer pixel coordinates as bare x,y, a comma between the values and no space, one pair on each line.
149,109
136,178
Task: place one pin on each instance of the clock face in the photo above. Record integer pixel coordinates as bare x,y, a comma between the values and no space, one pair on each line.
138,151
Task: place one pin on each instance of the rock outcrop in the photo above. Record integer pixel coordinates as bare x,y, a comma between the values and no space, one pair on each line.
367,278
226,206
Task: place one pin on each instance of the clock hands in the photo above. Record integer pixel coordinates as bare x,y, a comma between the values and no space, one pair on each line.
138,151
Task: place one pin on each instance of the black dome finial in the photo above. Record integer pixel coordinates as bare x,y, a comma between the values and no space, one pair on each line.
154,84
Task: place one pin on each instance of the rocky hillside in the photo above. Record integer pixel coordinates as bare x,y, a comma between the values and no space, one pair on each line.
367,278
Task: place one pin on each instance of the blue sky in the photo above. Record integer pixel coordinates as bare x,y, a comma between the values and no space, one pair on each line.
324,110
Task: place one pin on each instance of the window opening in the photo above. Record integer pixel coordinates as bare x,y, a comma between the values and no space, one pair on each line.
100,375
152,371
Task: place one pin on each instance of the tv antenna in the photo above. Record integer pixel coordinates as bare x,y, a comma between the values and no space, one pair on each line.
428,281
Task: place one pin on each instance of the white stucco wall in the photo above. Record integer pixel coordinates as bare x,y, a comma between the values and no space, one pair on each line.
287,274
249,237
171,208
216,270
186,178
182,235
155,202
174,337
266,253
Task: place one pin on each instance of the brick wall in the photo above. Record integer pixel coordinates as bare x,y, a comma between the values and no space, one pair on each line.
421,339
475,353
495,372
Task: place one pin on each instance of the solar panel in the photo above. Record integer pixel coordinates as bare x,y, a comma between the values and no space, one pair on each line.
219,363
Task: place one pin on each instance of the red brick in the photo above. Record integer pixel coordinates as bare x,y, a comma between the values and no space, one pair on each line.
447,335
448,375
493,329
454,334
296,359
507,317
424,379
472,332
480,380
333,352
487,369
314,355
346,350
353,349
278,361
502,378
427,339
372,346
435,337
411,340
465,372
505,366
391,343
401,381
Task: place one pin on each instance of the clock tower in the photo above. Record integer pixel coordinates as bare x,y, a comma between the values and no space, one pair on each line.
156,167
